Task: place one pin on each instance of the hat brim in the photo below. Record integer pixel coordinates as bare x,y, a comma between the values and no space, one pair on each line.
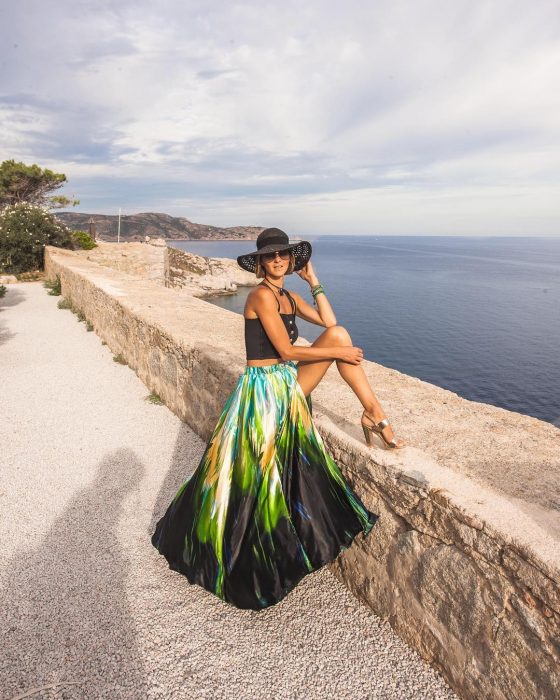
301,250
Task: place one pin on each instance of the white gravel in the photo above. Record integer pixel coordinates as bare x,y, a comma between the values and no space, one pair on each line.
89,609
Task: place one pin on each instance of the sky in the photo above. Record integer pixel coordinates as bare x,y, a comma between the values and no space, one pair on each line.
384,117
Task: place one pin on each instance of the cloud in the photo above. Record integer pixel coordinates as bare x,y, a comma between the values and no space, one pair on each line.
412,117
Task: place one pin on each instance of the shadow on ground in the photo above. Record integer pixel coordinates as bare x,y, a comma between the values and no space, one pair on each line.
13,297
66,617
186,458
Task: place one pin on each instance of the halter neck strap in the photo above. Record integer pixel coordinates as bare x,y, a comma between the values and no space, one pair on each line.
286,292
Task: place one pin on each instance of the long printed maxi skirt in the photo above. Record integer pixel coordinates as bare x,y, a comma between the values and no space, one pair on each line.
267,504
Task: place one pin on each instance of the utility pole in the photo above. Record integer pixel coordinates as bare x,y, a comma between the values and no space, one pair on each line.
119,228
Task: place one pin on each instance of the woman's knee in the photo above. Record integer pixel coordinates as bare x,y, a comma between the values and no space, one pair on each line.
339,334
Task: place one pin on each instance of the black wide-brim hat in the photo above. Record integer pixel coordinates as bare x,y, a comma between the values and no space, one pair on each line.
269,241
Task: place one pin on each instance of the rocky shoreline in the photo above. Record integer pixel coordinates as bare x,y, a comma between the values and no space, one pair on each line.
203,277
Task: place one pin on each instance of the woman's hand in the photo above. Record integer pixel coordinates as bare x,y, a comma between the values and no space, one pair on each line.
307,273
351,354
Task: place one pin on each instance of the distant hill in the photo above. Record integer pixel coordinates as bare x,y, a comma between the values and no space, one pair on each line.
135,227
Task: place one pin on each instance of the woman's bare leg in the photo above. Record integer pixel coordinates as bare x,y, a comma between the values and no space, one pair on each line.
310,374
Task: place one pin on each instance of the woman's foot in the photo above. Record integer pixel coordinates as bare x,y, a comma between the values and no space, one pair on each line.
381,428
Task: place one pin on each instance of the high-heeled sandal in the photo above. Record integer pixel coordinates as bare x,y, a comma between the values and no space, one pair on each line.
377,428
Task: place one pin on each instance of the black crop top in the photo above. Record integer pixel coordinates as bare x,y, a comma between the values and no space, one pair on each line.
257,344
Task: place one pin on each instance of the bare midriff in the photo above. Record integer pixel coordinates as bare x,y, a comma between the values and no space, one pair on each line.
262,363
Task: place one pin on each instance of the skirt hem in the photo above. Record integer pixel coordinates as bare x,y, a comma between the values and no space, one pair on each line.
174,566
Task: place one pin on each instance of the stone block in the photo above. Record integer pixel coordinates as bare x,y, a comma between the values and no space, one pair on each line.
536,581
521,666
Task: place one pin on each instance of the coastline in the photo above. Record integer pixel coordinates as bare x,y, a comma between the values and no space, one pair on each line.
460,307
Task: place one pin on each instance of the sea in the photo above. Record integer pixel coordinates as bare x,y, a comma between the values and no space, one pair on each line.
478,316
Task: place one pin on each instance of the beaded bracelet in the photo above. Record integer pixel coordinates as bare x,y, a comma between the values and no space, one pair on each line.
317,289
316,295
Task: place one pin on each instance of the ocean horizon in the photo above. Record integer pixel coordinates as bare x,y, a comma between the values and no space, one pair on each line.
479,316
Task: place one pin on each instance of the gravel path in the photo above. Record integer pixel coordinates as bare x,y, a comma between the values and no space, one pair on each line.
89,608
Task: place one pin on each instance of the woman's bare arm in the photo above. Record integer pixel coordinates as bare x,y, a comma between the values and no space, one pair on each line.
323,315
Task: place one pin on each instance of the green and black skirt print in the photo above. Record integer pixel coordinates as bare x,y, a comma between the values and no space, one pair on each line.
267,504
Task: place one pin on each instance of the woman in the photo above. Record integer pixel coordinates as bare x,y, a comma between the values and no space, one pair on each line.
267,504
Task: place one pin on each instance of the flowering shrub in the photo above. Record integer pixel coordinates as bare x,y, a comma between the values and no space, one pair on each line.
25,230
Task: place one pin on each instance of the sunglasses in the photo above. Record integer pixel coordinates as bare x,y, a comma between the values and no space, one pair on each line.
269,257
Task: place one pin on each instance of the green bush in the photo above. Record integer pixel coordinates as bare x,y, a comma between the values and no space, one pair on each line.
154,398
25,230
3,291
83,240
54,286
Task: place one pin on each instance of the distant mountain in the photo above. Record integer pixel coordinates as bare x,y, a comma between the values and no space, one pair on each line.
135,227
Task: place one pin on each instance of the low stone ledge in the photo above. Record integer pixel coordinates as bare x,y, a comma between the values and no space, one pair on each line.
467,574
143,260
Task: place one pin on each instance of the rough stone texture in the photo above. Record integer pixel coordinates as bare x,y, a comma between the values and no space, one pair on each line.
8,279
465,573
201,275
147,261
153,260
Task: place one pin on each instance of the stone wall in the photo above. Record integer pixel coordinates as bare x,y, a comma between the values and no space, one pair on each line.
464,562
